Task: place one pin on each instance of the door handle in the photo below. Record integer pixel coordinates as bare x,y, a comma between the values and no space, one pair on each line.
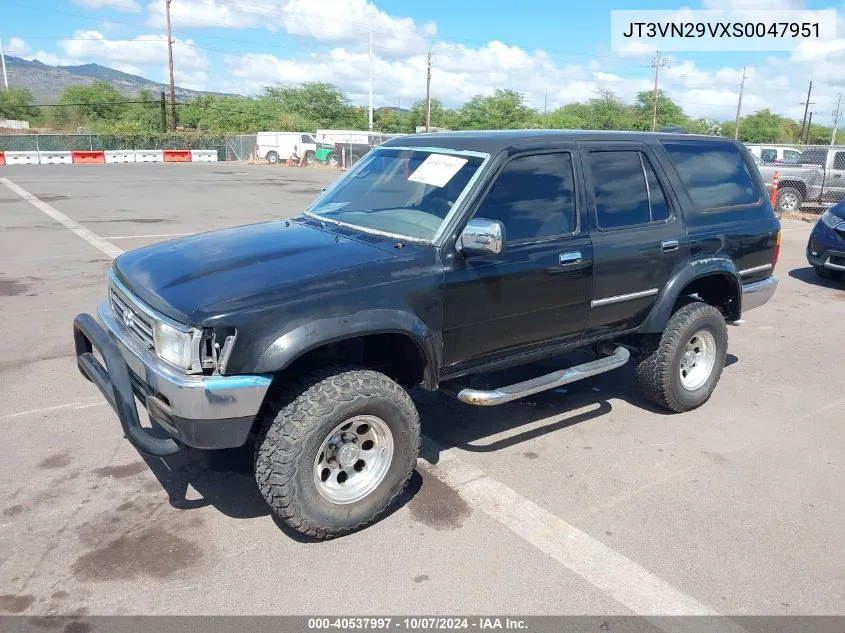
669,245
570,259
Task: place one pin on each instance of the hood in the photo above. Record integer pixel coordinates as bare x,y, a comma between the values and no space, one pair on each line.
233,269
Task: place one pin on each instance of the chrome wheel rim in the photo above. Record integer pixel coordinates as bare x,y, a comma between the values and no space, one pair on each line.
697,360
353,459
789,202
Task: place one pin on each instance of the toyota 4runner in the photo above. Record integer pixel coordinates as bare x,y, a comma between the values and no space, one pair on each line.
437,257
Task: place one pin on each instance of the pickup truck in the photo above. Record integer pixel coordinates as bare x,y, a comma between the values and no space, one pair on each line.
434,259
819,179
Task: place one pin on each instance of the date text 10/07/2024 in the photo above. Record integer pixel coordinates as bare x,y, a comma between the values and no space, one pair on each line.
416,624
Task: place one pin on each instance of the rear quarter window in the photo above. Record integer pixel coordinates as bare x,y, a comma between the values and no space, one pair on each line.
714,174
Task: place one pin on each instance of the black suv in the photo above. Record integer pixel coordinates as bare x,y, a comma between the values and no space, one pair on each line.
435,258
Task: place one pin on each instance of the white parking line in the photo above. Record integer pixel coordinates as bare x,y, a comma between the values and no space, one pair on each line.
92,238
58,407
615,575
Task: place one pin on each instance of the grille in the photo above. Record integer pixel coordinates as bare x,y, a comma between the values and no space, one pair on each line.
133,318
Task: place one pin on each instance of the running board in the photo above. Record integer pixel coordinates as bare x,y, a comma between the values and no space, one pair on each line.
519,390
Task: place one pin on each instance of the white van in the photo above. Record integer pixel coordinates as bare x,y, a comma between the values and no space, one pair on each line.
276,146
776,154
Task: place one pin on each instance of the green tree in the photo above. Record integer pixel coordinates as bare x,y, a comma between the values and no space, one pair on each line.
16,103
669,113
99,102
764,126
501,111
321,103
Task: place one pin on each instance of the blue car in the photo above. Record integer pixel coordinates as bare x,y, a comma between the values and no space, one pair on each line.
826,247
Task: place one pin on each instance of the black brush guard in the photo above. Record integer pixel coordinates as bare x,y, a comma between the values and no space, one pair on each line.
114,383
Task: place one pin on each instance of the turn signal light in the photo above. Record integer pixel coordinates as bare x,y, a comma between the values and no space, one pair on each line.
777,250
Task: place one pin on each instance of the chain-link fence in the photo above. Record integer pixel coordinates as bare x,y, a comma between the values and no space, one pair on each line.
241,147
107,142
810,178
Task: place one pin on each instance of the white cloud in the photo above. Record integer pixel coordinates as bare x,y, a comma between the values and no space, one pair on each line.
88,46
120,5
17,47
218,13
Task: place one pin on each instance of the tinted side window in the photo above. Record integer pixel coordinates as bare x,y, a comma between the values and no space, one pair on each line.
656,196
768,155
839,160
791,156
619,186
533,197
814,156
715,174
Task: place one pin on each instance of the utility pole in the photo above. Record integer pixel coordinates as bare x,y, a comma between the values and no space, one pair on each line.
3,58
371,67
657,62
739,103
163,113
428,93
545,99
170,61
807,133
806,105
836,114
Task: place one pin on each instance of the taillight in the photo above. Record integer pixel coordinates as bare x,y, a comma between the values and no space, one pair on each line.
777,249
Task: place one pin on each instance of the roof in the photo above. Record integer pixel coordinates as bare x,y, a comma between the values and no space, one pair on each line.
494,141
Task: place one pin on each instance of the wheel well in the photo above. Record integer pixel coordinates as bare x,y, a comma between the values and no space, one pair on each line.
719,290
393,354
795,184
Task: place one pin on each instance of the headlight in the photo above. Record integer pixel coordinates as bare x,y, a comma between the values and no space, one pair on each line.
830,220
176,347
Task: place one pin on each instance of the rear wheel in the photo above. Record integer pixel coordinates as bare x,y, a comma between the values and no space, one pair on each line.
272,157
309,158
337,451
789,199
680,369
332,161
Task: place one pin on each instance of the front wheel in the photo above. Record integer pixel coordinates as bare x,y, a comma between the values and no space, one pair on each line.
337,451
679,371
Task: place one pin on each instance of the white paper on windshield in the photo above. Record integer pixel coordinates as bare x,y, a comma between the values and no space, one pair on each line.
437,169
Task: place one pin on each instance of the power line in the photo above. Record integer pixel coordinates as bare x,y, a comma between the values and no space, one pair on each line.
836,114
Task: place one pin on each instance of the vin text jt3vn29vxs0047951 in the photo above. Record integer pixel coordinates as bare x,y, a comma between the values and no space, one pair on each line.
437,257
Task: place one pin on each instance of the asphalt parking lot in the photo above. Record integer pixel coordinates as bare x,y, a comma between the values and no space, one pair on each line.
584,502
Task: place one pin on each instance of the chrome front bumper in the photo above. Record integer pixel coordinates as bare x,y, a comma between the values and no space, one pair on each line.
757,293
198,411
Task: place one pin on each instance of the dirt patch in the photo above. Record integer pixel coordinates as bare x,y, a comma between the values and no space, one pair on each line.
13,511
530,455
804,216
120,472
59,460
12,288
60,595
153,552
438,506
10,603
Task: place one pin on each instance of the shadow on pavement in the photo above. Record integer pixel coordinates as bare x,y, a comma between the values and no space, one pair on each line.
808,275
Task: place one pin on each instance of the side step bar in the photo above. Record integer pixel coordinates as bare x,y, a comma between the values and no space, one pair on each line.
519,390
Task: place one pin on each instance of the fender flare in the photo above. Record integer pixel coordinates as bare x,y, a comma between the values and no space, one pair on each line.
660,314
302,339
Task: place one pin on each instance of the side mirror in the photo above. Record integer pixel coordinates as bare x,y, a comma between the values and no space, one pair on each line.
482,236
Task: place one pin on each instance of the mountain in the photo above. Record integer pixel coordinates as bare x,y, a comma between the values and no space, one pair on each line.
46,83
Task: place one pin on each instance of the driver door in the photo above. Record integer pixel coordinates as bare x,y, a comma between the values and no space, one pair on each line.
535,293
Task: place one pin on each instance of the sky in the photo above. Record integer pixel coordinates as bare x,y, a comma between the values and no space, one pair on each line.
554,52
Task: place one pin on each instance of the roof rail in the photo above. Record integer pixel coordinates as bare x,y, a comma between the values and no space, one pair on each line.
674,130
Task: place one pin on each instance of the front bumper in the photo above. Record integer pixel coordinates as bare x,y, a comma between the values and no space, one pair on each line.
757,293
826,248
197,411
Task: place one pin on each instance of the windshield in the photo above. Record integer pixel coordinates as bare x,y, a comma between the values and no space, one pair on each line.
406,192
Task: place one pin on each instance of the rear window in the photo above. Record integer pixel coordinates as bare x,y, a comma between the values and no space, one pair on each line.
814,156
714,174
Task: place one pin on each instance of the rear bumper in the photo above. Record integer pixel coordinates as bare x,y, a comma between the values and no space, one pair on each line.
757,293
197,411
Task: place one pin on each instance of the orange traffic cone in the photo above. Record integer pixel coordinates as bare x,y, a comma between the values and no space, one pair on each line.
774,198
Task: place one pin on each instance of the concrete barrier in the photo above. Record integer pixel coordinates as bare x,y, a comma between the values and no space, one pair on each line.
177,156
204,155
55,158
21,158
88,157
120,156
149,156
2,158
